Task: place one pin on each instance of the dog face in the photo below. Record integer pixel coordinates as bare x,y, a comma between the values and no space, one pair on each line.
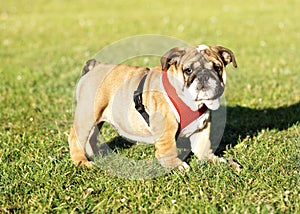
201,71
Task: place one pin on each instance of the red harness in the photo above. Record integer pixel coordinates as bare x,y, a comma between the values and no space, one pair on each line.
186,114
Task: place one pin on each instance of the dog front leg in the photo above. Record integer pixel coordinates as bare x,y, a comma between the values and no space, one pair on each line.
201,145
166,150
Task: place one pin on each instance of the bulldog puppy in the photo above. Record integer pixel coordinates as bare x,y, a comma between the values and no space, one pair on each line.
152,105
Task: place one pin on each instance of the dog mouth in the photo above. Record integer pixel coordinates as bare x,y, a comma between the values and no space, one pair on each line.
212,104
210,98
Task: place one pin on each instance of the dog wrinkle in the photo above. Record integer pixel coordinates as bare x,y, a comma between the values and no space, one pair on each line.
208,65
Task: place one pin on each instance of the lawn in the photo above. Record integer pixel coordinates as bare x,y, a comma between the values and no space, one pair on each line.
43,47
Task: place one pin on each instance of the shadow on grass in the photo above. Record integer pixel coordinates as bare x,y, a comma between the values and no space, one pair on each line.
242,122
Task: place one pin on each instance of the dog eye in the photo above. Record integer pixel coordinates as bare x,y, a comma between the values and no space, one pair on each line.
188,71
217,68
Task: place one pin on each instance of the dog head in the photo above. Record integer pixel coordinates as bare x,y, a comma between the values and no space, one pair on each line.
200,72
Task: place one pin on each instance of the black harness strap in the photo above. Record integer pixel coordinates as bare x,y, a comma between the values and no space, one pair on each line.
138,100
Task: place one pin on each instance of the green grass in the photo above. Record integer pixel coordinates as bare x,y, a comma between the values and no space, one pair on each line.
43,46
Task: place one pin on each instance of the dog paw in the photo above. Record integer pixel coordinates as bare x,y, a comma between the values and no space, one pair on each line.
173,163
84,163
230,162
183,166
234,165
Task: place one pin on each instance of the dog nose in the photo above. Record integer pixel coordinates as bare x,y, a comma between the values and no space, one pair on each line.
203,77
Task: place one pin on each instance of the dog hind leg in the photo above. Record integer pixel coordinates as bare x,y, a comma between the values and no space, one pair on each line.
76,151
82,139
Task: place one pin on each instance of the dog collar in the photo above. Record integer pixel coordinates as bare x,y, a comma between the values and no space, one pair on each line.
186,114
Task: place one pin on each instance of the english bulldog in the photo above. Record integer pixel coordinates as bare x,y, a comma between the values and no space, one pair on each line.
152,105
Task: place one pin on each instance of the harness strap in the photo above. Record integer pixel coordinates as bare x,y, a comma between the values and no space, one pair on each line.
186,114
138,100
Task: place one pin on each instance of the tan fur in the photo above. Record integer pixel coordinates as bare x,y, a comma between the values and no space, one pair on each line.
104,93
77,154
106,97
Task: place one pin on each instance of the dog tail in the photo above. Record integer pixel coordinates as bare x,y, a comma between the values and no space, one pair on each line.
89,65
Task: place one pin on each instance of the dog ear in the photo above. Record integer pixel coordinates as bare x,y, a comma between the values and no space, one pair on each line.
226,55
171,57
